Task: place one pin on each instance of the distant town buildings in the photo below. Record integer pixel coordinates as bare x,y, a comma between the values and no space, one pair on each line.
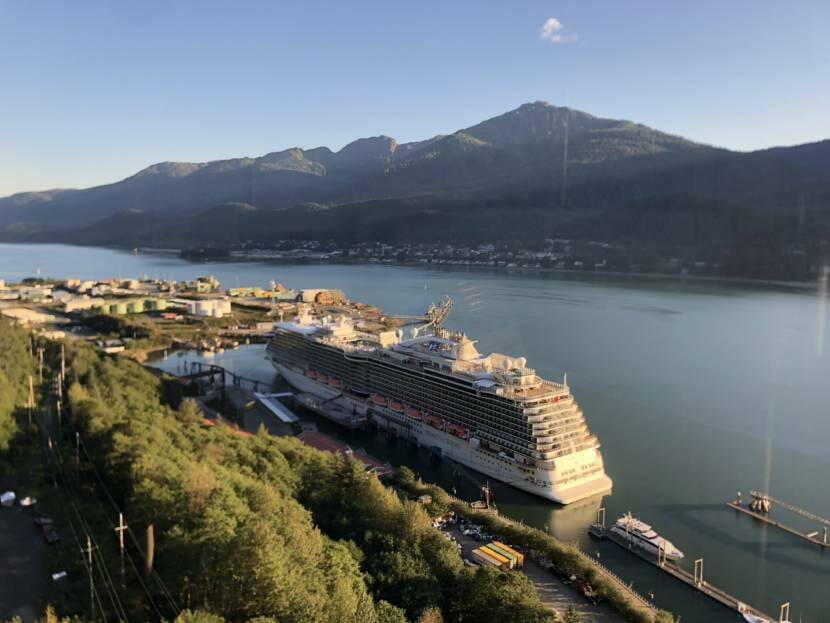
206,308
27,317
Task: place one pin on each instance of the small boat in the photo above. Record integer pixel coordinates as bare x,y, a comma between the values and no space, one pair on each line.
396,406
434,420
457,430
642,535
413,413
379,400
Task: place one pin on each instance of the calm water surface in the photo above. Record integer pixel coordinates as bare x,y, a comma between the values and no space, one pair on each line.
696,390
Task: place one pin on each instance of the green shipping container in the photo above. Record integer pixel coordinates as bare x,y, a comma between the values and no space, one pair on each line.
514,560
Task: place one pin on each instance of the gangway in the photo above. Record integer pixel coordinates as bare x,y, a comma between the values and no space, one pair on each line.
790,507
272,403
761,513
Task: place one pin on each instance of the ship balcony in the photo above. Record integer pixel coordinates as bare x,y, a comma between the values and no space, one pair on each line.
561,431
546,409
548,412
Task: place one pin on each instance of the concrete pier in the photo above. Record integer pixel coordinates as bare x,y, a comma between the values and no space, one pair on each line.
696,580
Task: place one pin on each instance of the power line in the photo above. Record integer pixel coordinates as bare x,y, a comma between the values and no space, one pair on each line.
94,595
79,443
156,577
138,574
154,574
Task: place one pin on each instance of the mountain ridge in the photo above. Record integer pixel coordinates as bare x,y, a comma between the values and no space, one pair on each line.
570,171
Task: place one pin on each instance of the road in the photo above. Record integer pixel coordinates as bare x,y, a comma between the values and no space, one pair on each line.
552,591
24,573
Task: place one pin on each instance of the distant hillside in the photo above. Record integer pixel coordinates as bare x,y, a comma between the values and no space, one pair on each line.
535,172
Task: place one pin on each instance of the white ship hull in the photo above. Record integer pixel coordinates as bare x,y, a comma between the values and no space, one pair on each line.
563,490
644,544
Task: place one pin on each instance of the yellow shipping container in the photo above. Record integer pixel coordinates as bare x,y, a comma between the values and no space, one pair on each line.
519,556
487,559
493,553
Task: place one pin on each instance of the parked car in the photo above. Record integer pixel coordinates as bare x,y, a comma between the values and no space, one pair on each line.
50,534
42,520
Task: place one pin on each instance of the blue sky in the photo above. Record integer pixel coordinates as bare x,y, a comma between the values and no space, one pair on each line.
94,91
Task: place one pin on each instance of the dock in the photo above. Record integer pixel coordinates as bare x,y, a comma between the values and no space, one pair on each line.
339,409
695,581
276,408
760,515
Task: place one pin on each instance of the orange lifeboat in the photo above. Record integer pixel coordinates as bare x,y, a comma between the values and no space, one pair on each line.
457,430
396,406
434,420
379,400
323,377
312,374
335,382
413,413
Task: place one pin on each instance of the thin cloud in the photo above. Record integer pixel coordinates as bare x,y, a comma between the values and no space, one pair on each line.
551,31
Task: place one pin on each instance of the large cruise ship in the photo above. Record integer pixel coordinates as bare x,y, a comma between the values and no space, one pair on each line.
489,412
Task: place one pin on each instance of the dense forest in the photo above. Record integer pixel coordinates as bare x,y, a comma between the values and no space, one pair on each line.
16,365
264,527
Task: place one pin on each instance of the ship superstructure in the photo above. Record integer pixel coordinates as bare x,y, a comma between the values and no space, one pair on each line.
642,535
489,412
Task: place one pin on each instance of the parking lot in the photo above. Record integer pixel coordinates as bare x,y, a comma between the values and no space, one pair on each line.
553,592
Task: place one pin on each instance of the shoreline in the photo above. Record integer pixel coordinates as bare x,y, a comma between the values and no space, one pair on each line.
812,287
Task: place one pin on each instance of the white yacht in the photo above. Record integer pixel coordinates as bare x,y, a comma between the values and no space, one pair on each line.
643,535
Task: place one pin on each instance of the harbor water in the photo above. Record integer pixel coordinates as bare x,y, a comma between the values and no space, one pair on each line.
695,389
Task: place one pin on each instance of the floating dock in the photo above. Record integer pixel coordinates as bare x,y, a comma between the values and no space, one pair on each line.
816,538
695,580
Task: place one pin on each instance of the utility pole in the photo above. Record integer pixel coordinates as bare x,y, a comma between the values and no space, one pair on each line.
31,399
78,456
151,548
88,552
40,363
63,363
122,527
